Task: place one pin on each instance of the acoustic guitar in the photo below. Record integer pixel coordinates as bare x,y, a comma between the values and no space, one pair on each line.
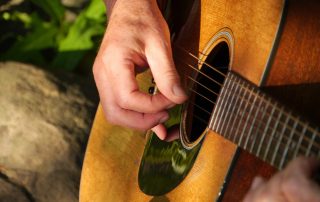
252,70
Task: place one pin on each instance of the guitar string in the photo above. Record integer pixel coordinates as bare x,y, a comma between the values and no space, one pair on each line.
296,119
216,70
280,122
201,61
277,120
199,71
288,126
304,149
243,98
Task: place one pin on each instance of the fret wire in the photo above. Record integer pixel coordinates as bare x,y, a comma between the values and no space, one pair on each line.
228,136
197,82
202,96
202,62
223,105
233,139
257,134
218,108
311,144
288,145
300,141
202,109
246,89
237,112
279,141
247,118
285,113
241,116
254,119
282,124
230,100
272,135
266,127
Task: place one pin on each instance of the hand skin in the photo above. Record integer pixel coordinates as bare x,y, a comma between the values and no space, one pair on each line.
137,38
293,184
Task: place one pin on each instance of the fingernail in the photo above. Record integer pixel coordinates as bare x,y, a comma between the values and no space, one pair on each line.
178,91
164,119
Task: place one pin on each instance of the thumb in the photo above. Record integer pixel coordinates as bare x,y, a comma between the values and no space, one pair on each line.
161,63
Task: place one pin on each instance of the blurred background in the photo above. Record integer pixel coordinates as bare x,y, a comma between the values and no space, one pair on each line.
47,95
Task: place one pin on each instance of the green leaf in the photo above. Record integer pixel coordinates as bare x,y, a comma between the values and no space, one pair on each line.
87,25
95,10
41,38
79,39
53,8
80,35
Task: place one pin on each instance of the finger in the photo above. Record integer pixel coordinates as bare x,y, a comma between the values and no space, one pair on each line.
297,183
305,166
121,75
266,190
160,130
135,120
160,60
117,115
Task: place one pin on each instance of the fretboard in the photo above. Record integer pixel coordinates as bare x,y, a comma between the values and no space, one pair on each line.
257,123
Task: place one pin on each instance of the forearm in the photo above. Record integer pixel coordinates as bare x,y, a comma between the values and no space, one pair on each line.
110,4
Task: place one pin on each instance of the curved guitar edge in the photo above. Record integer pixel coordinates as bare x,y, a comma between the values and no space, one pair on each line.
110,169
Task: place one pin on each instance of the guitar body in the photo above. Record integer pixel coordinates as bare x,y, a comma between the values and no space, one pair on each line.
272,44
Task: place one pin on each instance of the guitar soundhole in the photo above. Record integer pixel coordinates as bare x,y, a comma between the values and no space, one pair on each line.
205,91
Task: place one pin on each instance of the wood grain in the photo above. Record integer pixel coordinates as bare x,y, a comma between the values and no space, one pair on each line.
254,26
112,160
245,169
296,59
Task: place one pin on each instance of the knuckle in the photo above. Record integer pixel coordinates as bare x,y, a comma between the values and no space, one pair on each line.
96,69
106,55
123,101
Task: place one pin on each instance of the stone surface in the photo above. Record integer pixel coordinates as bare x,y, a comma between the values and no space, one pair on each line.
45,120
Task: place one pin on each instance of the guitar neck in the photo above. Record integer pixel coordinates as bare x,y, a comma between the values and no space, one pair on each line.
259,124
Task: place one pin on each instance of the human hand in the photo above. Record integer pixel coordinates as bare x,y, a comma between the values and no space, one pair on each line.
293,184
137,38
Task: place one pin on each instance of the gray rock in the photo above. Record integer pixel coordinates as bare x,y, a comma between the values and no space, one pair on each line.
45,120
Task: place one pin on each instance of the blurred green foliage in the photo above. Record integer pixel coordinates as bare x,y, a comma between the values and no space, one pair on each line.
49,40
